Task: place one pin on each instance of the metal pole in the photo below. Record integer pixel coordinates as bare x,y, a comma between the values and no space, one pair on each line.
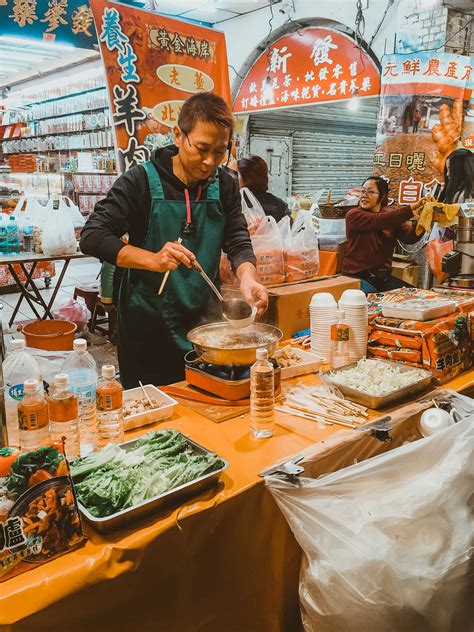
3,415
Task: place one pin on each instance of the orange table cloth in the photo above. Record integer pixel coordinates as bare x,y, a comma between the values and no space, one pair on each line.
225,561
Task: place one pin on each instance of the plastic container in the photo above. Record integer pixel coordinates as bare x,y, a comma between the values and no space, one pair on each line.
3,234
81,368
51,335
33,417
64,416
262,396
13,237
419,309
18,366
110,424
340,349
27,239
165,411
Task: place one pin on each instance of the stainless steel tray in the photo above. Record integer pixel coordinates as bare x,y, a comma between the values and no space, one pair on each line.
371,401
172,497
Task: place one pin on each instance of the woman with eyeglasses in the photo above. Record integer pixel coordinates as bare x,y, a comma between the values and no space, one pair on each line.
372,231
180,194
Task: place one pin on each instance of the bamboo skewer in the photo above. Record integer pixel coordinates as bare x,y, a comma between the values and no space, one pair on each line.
313,417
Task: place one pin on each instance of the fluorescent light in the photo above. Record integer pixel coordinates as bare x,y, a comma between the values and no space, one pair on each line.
21,56
27,41
10,48
354,102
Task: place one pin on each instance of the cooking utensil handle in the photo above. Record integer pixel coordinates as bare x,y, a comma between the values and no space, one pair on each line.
165,278
209,282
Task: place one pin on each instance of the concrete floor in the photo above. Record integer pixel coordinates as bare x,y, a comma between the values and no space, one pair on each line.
79,272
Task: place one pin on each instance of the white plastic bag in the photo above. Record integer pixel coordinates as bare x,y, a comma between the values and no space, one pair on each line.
268,249
49,362
300,246
74,312
72,211
58,236
388,542
252,209
29,212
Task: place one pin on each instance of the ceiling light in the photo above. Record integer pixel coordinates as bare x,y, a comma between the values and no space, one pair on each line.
354,102
27,41
21,56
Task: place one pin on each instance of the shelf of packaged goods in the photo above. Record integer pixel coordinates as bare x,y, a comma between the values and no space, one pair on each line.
66,96
82,111
80,131
49,151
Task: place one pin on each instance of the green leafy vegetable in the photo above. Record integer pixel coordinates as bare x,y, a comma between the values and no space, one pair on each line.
44,458
114,479
7,451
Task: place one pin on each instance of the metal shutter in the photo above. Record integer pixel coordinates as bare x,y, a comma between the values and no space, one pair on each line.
333,147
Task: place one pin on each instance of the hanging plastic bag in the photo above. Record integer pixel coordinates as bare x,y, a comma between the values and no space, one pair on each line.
58,236
74,312
435,251
72,210
387,542
300,247
29,212
268,249
252,209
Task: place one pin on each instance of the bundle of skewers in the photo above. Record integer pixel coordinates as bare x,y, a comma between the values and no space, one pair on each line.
323,404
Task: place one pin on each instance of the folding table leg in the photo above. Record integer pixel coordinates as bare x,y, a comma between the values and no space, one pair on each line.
58,285
38,297
24,294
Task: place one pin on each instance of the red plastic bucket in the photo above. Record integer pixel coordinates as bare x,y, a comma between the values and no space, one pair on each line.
51,335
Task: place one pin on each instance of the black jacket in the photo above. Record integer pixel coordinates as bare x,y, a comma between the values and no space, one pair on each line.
126,209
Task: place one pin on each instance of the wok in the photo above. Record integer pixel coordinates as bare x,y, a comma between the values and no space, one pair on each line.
219,343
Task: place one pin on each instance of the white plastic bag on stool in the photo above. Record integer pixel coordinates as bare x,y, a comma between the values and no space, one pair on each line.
387,543
74,312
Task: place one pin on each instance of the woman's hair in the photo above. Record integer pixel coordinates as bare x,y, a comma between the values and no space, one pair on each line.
382,188
254,173
461,175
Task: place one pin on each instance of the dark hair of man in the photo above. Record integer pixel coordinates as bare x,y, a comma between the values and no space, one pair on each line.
205,107
254,173
461,176
382,188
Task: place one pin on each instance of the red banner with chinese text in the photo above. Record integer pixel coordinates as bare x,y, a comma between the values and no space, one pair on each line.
422,107
312,65
153,64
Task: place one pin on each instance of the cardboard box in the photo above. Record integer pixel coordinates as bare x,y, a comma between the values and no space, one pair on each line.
405,270
288,306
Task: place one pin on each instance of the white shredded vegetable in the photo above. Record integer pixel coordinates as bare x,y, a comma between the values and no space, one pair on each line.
377,378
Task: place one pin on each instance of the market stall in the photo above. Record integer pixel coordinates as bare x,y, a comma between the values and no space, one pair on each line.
225,560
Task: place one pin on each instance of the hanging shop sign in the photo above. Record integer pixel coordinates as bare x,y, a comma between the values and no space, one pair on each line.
153,64
424,98
313,65
63,21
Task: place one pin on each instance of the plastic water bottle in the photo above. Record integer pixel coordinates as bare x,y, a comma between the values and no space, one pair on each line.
262,396
18,366
33,418
110,426
64,416
13,237
3,234
27,238
81,368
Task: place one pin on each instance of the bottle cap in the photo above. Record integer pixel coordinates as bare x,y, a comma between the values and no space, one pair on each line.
18,344
31,386
108,370
61,379
80,344
262,354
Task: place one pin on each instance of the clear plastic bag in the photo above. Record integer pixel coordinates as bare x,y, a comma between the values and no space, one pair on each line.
74,312
268,249
58,236
29,212
252,209
388,542
435,250
300,246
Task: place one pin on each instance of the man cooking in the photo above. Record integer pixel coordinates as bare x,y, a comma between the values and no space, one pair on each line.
179,194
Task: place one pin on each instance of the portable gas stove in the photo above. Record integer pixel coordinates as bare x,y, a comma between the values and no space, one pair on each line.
229,382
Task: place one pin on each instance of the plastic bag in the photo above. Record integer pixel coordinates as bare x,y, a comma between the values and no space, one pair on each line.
435,250
29,212
58,236
74,312
300,246
71,210
252,209
49,362
387,542
268,249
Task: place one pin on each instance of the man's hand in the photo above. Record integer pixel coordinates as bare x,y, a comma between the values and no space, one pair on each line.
252,291
171,256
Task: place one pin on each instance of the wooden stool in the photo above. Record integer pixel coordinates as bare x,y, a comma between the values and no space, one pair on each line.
101,317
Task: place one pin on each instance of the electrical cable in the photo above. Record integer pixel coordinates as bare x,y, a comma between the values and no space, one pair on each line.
427,50
237,74
379,26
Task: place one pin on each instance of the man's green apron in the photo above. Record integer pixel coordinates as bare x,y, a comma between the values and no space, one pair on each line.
152,329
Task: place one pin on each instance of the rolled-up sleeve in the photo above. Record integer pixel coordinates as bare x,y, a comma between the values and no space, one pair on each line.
237,243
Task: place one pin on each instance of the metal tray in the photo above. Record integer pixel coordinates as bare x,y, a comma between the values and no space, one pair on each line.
372,401
171,497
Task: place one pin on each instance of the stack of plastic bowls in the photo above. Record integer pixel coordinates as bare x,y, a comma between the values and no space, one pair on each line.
323,314
354,304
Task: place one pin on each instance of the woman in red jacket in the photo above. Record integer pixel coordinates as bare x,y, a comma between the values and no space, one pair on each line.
372,231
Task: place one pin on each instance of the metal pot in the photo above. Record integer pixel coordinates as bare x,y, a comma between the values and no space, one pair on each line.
465,235
466,222
266,337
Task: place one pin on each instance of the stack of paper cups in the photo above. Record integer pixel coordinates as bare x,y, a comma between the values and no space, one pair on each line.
354,304
323,314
